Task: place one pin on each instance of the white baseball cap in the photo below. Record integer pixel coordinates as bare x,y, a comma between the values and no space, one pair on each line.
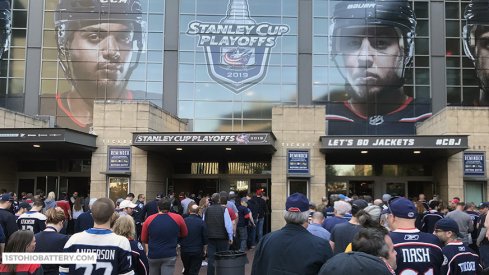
126,203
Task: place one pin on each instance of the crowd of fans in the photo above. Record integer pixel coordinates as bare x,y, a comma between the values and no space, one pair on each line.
130,236
341,235
392,235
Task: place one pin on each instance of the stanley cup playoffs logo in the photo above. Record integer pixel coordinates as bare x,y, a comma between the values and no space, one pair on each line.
237,48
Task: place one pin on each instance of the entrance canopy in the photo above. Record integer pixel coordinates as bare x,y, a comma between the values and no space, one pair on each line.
26,142
362,149
207,146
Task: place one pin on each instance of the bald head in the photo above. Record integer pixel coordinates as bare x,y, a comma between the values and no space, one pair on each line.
317,217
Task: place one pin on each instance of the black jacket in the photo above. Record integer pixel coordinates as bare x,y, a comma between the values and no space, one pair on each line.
290,250
84,222
197,235
7,221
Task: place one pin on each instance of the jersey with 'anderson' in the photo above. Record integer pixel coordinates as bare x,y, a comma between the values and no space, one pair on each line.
113,253
33,221
460,260
344,120
417,252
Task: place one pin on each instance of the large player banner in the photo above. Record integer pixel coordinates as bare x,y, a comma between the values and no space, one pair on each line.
371,60
105,50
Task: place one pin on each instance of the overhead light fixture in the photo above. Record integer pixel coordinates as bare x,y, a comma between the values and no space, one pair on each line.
36,146
179,149
364,152
229,148
416,152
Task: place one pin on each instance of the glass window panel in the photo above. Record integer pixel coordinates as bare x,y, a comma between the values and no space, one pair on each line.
17,68
422,46
453,62
49,39
453,96
186,72
49,54
453,77
289,44
453,47
421,9
185,91
451,10
16,86
452,28
211,91
320,45
349,170
289,8
155,72
289,75
17,53
471,95
422,76
257,110
288,93
186,57
155,41
320,8
257,125
49,69
423,92
212,125
155,56
21,4
19,19
155,22
467,63
422,61
156,6
186,109
187,6
18,38
423,28
469,77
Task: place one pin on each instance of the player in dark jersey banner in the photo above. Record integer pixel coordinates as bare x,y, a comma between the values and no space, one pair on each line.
372,43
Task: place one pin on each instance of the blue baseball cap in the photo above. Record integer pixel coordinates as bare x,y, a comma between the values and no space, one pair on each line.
6,197
484,205
297,202
447,224
402,208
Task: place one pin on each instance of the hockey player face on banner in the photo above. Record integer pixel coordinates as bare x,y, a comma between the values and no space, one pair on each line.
372,60
100,56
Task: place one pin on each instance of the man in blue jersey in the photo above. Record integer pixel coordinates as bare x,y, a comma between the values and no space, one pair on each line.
33,220
372,43
160,234
417,252
458,258
113,251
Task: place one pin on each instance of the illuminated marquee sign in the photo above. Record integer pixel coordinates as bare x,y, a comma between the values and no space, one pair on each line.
208,138
237,48
395,142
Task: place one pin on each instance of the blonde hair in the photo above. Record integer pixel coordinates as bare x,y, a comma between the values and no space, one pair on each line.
55,215
124,226
51,196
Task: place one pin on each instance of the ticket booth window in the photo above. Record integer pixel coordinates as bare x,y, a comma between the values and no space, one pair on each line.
118,187
299,186
475,191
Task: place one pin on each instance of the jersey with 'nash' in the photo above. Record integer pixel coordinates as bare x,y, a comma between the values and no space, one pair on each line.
417,252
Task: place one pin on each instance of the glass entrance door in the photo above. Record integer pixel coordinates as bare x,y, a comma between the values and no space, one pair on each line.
396,188
361,188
